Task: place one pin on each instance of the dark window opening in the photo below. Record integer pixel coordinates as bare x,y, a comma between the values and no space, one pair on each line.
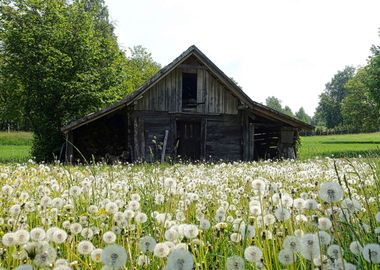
189,90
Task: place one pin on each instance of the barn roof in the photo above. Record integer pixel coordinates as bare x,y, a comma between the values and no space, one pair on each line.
256,107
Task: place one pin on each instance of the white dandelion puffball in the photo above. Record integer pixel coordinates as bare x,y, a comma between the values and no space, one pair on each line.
37,234
180,259
258,185
356,248
204,224
9,239
282,214
292,243
324,223
147,243
59,236
286,256
109,237
141,218
324,238
96,255
161,250
143,260
114,256
309,246
334,251
377,216
331,192
190,231
253,254
85,247
235,263
22,237
371,253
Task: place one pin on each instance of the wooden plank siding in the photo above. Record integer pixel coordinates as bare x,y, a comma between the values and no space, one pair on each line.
166,95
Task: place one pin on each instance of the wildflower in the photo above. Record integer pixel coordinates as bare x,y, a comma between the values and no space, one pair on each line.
141,218
324,238
334,251
37,234
235,237
253,254
190,231
109,237
258,185
235,263
171,235
286,256
309,246
299,203
22,237
377,216
180,259
46,257
331,192
85,247
96,255
282,214
111,207
87,233
76,228
59,236
291,243
161,250
143,260
269,219
204,224
114,256
248,231
371,253
311,204
147,243
356,248
9,239
324,223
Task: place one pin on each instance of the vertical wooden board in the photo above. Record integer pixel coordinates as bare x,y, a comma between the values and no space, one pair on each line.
179,90
212,95
199,89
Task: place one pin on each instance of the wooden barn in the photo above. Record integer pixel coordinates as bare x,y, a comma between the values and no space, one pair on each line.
188,110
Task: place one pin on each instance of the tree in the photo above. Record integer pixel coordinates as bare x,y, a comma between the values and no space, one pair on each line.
359,109
274,103
330,100
373,75
67,60
288,111
303,116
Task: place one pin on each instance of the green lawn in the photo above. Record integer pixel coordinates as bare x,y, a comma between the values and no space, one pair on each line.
352,145
15,146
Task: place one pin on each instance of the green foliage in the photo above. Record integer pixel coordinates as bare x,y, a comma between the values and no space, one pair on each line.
303,116
373,75
328,112
65,59
359,110
274,103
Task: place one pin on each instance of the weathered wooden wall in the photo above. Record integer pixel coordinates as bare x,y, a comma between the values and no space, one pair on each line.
166,95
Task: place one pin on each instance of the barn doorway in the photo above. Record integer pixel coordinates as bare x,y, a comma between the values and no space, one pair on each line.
189,139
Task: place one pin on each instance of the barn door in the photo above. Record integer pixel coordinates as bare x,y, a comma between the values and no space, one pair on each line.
189,139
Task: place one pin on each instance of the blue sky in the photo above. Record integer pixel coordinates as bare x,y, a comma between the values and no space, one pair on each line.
285,48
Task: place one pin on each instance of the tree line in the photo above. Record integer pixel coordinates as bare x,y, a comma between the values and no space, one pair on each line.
60,60
349,103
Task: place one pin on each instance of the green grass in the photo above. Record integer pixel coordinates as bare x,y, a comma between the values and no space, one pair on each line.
341,146
15,146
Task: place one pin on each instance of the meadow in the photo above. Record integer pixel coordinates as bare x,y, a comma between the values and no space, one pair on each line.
15,146
341,146
316,214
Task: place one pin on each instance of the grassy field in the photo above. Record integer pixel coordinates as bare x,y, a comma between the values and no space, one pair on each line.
352,145
15,146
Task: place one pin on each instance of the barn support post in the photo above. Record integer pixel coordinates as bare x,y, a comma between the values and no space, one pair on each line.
287,143
69,147
245,135
251,141
164,146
